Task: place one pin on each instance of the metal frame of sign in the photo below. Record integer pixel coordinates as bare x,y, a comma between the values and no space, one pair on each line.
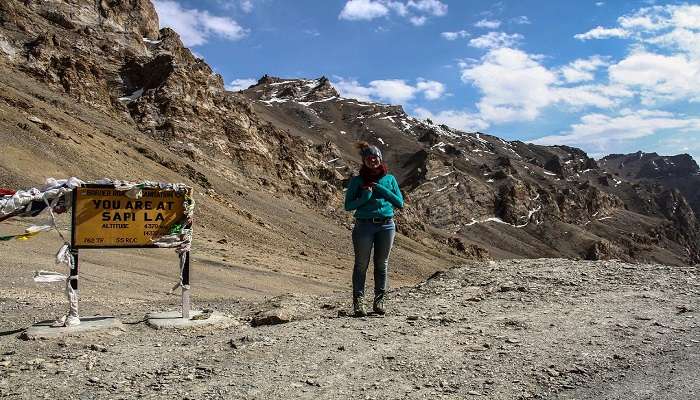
75,251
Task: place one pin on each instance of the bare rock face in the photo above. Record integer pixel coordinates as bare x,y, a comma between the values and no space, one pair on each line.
110,54
603,250
472,251
514,203
680,172
138,16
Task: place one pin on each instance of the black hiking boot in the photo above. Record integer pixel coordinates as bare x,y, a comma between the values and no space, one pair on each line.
378,305
358,307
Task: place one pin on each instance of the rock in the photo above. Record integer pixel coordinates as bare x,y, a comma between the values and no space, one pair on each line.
94,379
312,382
97,347
684,309
271,317
34,119
205,314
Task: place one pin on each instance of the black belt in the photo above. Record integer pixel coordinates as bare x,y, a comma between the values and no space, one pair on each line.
375,220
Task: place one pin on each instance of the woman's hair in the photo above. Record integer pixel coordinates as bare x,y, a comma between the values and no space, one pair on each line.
367,149
361,144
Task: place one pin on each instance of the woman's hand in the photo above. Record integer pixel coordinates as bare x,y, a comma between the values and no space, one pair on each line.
369,186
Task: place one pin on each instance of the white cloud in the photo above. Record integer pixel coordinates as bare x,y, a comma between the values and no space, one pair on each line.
521,20
418,20
432,90
431,7
241,84
352,89
669,25
659,77
600,130
358,10
247,6
455,35
488,24
494,40
602,33
312,32
395,91
650,19
400,8
515,86
579,97
681,39
664,59
461,120
583,69
599,4
196,27
416,11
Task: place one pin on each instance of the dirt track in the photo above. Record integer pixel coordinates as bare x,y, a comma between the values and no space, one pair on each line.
545,328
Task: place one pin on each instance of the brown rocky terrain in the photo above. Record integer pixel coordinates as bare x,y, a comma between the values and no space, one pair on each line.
518,329
93,89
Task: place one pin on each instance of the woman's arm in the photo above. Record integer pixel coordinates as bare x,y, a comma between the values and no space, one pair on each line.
392,194
353,199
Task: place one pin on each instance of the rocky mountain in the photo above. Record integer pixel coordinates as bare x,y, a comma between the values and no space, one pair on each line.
95,89
511,199
679,172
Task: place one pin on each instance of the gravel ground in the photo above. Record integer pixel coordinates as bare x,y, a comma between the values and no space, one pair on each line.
516,329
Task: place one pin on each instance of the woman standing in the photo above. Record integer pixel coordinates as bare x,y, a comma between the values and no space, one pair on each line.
373,195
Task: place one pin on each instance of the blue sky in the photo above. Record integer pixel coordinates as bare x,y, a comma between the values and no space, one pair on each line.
605,76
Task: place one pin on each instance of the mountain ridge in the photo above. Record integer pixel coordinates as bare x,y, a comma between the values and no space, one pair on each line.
484,158
469,194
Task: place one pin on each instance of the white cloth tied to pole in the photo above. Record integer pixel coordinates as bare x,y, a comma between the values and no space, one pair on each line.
38,228
63,256
54,188
49,277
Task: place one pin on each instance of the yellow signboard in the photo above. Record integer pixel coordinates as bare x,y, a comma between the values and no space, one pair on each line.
106,217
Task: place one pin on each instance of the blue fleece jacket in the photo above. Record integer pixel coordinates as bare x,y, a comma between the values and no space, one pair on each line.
378,203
